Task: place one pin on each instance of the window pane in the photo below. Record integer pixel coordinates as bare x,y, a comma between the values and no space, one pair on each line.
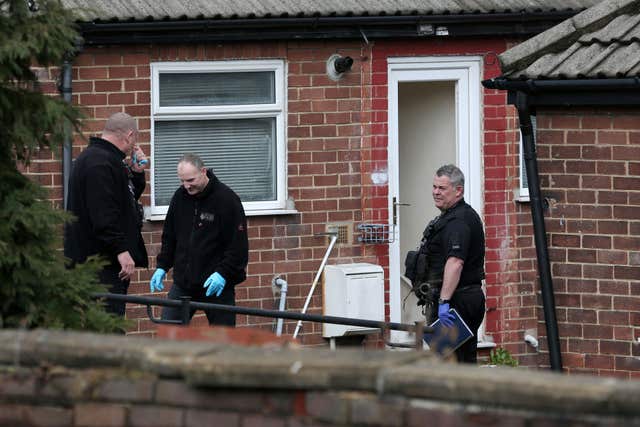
201,89
524,180
242,153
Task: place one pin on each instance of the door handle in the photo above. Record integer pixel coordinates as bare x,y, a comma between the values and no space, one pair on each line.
395,209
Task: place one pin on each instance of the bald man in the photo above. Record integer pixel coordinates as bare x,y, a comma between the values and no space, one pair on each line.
106,181
205,241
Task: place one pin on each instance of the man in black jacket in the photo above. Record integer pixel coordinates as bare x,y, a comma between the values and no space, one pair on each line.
455,249
103,196
205,241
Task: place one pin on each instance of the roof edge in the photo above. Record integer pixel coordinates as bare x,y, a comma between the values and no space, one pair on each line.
538,85
299,28
621,92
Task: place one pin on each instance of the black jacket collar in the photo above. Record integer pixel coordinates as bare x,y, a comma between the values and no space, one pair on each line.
213,181
106,145
454,207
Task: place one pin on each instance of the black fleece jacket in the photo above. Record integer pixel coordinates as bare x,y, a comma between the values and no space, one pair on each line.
205,233
100,198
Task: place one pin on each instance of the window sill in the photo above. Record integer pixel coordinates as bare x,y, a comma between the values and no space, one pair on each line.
271,212
486,344
521,196
154,218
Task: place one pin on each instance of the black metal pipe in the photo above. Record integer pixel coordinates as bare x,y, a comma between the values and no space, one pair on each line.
154,319
264,313
539,232
67,149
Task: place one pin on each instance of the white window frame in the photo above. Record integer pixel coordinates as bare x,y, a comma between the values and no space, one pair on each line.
275,110
523,191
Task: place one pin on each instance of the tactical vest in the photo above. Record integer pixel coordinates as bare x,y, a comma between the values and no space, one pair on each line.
417,261
427,273
425,268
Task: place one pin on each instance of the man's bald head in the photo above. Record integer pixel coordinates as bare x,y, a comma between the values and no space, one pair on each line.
121,130
120,122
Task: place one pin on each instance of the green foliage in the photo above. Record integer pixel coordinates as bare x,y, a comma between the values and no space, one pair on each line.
30,120
36,289
501,356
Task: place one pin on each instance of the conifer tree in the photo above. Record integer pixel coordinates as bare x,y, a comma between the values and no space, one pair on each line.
36,290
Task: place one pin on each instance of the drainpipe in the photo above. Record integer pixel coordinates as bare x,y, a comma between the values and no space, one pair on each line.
280,283
65,90
539,232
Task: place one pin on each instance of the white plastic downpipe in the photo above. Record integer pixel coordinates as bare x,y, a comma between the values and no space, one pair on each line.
281,284
334,237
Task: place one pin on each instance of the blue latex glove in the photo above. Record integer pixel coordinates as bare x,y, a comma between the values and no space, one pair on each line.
214,284
139,162
445,317
156,280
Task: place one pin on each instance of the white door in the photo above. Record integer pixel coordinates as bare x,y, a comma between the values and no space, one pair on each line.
434,119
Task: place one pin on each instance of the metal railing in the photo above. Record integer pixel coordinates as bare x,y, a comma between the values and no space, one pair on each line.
186,305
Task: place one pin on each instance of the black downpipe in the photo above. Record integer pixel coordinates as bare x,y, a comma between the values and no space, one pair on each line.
65,90
539,232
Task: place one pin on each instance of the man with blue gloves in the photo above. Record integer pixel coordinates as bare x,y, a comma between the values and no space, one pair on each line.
205,241
453,250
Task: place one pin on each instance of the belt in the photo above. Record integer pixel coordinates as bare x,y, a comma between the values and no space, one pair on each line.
468,286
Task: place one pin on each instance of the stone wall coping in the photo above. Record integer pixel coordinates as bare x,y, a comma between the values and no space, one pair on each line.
407,373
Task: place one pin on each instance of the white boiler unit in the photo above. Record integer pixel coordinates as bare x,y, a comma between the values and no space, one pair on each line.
355,291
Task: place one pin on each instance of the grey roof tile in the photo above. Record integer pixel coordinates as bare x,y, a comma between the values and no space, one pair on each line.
601,42
620,59
616,29
89,10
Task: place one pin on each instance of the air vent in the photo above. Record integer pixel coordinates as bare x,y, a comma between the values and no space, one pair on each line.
343,232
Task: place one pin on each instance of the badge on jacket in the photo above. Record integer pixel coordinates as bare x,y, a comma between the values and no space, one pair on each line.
206,216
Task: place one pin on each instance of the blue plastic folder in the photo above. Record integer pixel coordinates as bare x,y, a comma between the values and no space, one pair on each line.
445,341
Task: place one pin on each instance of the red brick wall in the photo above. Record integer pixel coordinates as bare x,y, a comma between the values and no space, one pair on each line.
327,122
510,258
337,135
589,163
510,252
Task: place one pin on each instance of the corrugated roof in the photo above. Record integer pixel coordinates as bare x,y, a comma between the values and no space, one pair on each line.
90,10
601,42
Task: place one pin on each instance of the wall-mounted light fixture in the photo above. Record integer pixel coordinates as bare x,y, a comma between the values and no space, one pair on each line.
337,65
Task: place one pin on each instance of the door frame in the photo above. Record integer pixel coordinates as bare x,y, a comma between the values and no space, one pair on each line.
465,71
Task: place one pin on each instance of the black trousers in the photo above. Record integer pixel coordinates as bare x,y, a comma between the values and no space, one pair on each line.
109,276
469,301
215,317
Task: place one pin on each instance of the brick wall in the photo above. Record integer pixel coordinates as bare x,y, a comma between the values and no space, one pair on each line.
325,128
509,262
337,136
57,378
124,402
510,257
589,164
